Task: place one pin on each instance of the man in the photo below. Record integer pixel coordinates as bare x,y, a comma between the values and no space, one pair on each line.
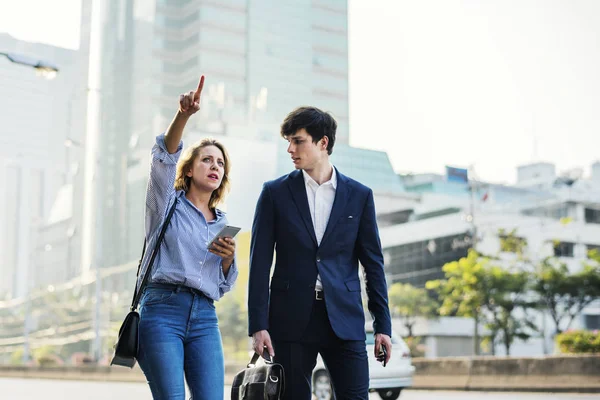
322,224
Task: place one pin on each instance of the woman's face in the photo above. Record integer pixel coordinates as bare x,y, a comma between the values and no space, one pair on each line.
208,169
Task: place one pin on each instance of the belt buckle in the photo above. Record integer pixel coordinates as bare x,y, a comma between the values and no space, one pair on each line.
318,294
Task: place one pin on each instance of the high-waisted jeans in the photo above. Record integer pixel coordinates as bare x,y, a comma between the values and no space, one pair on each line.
179,335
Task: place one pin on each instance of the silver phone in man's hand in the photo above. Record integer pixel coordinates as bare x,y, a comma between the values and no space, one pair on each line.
226,231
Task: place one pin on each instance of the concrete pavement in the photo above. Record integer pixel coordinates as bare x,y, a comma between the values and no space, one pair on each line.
40,389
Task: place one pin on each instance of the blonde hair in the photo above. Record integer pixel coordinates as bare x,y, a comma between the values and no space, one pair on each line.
183,182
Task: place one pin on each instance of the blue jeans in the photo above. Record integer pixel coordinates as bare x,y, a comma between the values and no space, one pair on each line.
179,334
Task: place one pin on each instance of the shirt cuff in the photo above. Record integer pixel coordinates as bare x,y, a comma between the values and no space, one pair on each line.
226,283
162,154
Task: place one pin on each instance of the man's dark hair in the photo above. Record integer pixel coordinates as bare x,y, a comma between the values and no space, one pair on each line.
316,122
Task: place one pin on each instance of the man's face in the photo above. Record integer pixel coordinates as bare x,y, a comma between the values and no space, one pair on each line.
306,154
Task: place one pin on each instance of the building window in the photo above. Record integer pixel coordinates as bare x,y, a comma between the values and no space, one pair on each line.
592,216
438,213
564,249
591,322
394,218
418,262
557,211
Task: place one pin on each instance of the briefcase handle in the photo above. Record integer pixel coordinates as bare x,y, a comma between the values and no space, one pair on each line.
255,358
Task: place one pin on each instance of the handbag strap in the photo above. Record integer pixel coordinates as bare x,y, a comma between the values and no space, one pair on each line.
137,292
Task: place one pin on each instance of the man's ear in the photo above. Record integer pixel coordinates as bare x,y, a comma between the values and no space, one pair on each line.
324,142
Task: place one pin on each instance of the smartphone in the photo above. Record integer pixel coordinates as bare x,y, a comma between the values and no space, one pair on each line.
227,231
382,355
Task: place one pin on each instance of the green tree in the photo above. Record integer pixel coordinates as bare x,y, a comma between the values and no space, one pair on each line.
408,302
511,243
232,321
46,355
563,293
576,342
594,256
506,305
16,357
489,294
462,292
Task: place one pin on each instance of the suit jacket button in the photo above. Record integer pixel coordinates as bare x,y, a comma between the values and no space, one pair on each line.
318,260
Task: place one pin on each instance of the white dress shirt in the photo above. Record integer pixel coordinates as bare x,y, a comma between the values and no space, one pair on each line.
320,202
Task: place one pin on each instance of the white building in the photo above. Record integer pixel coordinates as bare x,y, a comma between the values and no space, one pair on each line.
556,219
261,60
257,69
37,117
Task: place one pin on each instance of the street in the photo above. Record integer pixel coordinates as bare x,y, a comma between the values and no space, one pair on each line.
30,389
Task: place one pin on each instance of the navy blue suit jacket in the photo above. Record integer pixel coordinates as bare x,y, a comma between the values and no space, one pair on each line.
282,222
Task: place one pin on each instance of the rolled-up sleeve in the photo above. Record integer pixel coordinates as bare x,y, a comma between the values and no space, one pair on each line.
163,167
226,282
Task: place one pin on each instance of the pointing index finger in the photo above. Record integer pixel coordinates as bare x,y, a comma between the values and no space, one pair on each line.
199,89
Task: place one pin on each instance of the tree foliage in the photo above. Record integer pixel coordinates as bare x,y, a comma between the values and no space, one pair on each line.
408,302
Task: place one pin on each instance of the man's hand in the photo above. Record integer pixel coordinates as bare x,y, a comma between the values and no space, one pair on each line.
384,339
189,103
260,340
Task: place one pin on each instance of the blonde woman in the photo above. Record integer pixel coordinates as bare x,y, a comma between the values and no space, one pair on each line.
179,333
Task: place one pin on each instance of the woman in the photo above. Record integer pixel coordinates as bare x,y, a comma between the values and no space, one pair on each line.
179,333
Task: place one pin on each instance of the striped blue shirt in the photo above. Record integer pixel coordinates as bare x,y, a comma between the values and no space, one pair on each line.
183,257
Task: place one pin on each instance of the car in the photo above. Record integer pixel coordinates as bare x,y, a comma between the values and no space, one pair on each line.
387,381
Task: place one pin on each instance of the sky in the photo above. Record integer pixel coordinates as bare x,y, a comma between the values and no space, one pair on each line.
483,84
476,83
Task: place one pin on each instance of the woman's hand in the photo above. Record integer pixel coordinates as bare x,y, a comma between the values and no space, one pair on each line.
224,248
189,103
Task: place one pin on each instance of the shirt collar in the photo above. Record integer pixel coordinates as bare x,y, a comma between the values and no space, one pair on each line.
308,180
218,212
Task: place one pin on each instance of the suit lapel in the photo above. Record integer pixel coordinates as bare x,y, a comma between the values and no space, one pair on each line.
342,193
298,189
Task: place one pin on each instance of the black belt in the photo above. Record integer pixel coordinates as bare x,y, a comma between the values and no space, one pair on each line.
177,288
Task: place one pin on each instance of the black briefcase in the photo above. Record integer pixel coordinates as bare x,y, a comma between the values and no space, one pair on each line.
266,382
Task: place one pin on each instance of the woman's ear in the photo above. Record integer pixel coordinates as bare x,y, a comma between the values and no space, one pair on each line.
189,173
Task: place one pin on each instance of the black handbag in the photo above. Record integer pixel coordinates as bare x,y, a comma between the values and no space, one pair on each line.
126,348
266,382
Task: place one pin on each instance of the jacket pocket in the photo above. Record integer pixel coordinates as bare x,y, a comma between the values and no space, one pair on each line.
353,285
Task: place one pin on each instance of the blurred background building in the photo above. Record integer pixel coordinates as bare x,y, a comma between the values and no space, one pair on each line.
261,59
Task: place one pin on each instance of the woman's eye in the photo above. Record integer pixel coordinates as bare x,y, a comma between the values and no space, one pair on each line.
221,164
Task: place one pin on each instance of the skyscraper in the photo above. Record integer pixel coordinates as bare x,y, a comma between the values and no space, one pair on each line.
261,59
36,115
